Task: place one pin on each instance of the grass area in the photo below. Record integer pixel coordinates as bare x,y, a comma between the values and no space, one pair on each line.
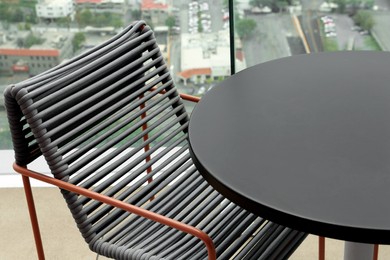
370,42
330,44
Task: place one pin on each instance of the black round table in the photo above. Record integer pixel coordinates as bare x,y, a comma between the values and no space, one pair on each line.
303,141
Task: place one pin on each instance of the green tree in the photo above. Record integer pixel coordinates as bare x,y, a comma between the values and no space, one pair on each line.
170,22
275,5
261,3
78,40
31,17
136,14
20,26
100,20
364,19
16,15
84,17
4,12
245,28
341,5
368,4
31,40
116,22
27,26
64,21
20,42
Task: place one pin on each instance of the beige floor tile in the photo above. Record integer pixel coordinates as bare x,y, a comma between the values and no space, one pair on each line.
62,240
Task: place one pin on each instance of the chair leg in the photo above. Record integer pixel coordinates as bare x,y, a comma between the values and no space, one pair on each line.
33,217
376,251
321,248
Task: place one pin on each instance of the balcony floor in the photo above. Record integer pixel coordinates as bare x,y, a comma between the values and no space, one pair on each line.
62,241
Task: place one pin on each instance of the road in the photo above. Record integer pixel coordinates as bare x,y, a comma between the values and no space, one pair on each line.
269,40
309,24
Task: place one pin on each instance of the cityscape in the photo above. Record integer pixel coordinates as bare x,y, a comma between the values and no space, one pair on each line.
194,36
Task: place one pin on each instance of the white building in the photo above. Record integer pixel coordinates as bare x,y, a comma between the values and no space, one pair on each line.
52,9
205,57
155,11
115,6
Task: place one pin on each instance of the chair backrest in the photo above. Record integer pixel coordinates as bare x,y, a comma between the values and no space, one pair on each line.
107,120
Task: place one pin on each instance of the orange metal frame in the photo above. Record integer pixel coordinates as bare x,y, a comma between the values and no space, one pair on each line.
26,174
104,199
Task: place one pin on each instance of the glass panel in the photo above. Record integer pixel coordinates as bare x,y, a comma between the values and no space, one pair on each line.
36,35
271,29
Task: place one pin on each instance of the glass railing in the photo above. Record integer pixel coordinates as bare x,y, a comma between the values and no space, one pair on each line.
204,41
271,29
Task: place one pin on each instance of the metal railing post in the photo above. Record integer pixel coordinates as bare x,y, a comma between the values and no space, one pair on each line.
232,43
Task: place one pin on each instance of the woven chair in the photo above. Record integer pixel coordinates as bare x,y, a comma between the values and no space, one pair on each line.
113,131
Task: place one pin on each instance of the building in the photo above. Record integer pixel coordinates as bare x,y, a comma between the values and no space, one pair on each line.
37,58
113,6
205,57
155,11
53,9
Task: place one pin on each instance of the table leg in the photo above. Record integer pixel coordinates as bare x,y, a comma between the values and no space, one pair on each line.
358,251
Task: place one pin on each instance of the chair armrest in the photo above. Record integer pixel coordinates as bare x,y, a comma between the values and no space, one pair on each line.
122,205
184,96
190,98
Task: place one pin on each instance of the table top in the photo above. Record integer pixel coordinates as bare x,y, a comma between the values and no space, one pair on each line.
303,141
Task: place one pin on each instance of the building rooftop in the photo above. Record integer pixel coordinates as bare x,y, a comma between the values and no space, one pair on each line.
29,52
153,4
205,50
99,1
52,2
51,45
186,74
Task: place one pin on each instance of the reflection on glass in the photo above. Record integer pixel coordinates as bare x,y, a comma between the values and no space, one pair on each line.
271,29
36,35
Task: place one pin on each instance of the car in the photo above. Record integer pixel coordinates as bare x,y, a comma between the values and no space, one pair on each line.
204,6
329,28
330,34
226,25
225,16
201,90
176,29
205,16
329,23
355,28
326,18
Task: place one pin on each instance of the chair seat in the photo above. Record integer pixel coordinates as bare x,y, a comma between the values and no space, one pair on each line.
237,234
181,193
